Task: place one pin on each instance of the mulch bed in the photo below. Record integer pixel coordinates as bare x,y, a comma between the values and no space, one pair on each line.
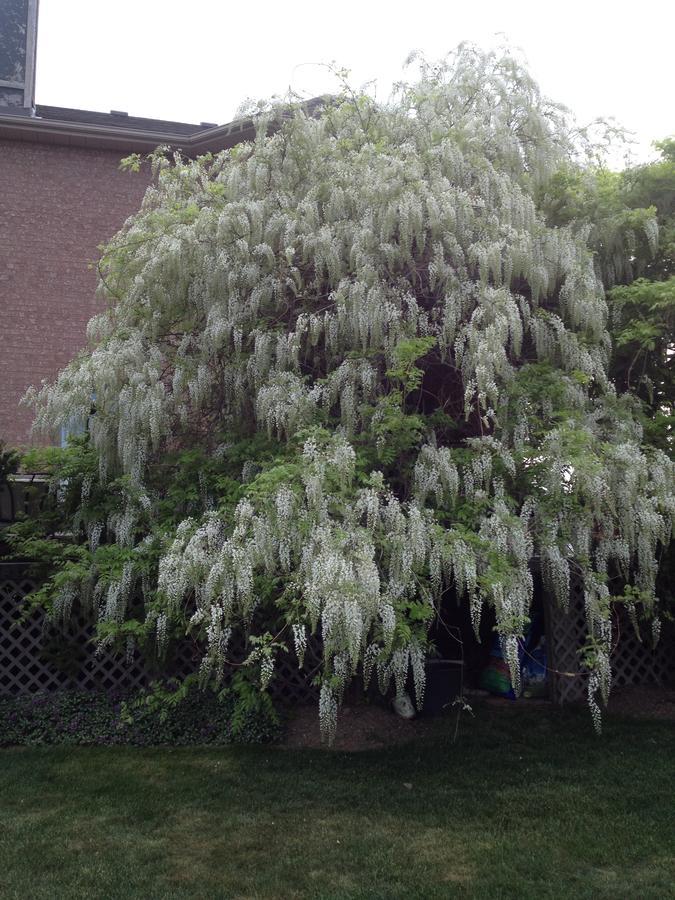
373,726
360,727
644,702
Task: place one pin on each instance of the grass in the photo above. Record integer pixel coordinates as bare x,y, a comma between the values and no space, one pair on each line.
526,804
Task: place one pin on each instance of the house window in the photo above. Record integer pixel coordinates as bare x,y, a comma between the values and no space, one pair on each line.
18,30
74,428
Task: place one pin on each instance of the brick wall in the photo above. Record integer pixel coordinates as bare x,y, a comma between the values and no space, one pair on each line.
57,204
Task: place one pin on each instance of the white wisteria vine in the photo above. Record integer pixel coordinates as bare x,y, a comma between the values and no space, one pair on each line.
394,373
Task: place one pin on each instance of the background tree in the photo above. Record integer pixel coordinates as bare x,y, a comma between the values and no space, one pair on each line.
630,220
9,463
355,364
637,262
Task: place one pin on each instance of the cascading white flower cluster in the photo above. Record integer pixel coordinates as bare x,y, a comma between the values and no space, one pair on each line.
272,284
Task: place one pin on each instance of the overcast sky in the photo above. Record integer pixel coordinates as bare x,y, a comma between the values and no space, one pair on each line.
196,60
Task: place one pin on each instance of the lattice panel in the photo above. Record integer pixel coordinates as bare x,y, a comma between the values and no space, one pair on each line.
105,671
294,685
22,669
567,633
633,662
25,666
289,685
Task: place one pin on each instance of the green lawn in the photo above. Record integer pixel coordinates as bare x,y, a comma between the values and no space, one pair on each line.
526,804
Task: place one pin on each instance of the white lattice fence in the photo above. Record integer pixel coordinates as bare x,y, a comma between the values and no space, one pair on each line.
633,661
34,658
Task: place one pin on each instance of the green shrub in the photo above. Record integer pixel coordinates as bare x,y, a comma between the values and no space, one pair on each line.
141,719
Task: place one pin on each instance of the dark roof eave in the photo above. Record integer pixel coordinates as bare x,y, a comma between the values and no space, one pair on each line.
107,137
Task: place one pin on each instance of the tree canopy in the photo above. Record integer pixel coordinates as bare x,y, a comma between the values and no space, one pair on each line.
359,363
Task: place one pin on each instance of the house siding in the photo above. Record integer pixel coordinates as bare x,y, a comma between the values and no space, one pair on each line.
57,205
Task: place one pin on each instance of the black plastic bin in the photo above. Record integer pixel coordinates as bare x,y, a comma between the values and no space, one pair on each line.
444,685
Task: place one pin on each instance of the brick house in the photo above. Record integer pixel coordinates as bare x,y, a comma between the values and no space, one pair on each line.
62,195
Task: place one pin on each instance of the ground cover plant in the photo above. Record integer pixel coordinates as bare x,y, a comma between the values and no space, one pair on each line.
140,718
526,804
357,367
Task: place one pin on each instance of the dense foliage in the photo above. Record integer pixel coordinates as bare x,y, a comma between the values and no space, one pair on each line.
619,211
142,719
615,208
354,367
9,462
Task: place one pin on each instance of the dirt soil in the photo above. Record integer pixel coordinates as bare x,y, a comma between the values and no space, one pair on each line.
360,727
366,726
644,702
